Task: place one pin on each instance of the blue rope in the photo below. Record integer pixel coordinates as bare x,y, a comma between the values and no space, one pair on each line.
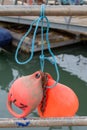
42,40
42,56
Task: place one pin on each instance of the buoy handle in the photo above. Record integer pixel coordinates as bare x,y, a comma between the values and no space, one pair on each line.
22,115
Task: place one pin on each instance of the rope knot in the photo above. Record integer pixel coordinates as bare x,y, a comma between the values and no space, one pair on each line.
42,57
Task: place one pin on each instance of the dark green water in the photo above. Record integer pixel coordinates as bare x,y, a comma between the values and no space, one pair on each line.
72,62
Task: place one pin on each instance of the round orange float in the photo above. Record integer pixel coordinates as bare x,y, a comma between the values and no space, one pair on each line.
25,93
61,101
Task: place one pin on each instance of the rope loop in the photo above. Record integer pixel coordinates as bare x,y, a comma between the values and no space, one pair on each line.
32,45
42,57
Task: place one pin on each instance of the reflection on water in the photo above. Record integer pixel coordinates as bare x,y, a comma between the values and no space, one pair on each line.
76,65
73,73
15,75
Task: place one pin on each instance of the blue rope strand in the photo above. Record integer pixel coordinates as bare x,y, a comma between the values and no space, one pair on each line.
20,43
42,56
54,60
42,40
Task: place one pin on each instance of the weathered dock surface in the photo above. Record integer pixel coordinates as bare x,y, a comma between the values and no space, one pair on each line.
57,38
77,23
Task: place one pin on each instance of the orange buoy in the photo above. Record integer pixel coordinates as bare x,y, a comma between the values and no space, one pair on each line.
60,101
26,93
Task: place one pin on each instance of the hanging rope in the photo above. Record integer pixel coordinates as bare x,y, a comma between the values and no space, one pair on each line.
42,56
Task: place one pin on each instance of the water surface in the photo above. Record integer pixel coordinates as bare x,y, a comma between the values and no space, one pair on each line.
72,64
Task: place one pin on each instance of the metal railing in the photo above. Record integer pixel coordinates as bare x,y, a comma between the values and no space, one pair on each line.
43,122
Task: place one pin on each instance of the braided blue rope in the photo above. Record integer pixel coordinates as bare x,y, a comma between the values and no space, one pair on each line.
42,56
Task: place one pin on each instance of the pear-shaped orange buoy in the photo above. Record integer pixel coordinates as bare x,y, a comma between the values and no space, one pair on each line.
25,93
60,101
